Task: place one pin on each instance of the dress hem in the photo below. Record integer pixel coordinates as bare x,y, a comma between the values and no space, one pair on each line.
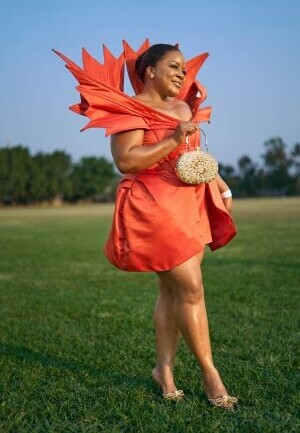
182,260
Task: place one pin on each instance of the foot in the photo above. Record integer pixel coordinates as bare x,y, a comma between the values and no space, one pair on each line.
164,377
213,384
215,389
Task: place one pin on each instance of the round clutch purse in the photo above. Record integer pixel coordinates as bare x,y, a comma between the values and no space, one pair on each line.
195,166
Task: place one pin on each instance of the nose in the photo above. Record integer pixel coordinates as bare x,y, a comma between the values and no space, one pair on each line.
180,75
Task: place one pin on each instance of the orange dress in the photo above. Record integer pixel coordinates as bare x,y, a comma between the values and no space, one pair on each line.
159,221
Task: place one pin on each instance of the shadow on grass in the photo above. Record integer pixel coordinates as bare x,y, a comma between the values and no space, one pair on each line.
80,369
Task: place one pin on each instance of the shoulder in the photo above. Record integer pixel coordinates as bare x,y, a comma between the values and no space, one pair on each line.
182,109
180,103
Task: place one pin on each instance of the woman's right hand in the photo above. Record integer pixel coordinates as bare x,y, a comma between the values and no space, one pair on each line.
184,129
228,204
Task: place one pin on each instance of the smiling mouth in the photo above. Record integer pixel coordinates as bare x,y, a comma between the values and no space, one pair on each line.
177,84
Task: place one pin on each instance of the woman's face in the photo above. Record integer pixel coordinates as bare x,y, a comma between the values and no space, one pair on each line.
169,73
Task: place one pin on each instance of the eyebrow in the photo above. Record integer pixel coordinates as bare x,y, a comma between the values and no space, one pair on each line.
177,63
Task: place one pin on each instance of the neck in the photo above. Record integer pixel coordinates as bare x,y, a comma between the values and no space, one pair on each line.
152,94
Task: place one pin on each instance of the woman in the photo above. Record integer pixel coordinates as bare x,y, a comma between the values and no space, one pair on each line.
160,223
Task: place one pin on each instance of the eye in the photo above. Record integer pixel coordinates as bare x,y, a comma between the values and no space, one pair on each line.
174,66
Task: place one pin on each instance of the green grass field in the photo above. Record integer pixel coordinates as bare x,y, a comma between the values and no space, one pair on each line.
77,341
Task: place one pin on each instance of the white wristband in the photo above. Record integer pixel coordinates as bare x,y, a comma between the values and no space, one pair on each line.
226,194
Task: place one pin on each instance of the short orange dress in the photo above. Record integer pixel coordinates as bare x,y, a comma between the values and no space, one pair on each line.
159,221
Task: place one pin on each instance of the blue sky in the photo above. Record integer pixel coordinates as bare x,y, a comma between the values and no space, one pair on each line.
252,74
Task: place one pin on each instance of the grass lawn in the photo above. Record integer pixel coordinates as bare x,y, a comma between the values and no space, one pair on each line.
76,335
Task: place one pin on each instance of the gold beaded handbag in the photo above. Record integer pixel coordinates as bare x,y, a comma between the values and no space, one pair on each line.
196,166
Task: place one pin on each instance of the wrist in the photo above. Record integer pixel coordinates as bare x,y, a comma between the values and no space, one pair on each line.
176,141
226,194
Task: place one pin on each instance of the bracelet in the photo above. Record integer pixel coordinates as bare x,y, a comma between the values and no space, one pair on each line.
226,194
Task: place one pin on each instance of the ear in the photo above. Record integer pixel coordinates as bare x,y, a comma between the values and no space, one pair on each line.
150,72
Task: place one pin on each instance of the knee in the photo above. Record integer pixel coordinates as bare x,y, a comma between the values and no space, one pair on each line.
166,293
191,293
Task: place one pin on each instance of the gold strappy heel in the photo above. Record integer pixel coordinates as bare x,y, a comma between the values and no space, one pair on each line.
174,395
224,402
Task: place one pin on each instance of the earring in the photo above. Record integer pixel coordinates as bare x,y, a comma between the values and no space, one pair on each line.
152,76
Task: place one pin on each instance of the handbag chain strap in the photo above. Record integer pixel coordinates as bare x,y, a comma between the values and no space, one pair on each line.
187,142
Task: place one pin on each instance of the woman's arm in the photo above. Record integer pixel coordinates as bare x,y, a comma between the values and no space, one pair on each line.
222,185
130,156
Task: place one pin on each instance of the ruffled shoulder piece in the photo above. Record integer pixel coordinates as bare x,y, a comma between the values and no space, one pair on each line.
106,105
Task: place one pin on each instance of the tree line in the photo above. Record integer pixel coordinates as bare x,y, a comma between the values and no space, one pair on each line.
45,177
26,178
277,174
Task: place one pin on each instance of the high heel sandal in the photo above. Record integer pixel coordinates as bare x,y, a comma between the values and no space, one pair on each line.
225,402
174,395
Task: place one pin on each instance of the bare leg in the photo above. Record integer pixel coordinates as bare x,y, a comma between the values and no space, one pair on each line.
167,337
191,318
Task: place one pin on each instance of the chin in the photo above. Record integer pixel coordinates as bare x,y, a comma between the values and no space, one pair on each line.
174,93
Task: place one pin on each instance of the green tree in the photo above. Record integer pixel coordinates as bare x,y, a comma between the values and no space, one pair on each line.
248,176
50,176
295,158
15,165
276,166
92,177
